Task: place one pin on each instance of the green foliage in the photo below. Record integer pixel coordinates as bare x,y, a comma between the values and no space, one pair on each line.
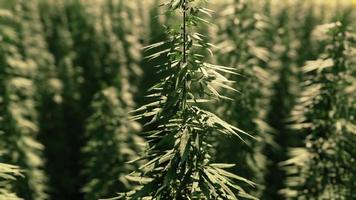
179,165
94,47
324,167
18,109
283,65
241,32
109,134
62,120
7,175
71,70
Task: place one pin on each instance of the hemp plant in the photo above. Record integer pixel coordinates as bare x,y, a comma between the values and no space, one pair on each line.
179,162
241,38
324,167
18,115
109,133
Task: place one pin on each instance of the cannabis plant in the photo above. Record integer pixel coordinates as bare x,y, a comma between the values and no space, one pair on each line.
240,32
18,110
109,133
94,48
324,167
48,87
179,161
108,130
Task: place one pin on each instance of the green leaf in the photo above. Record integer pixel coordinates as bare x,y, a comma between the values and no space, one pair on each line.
184,139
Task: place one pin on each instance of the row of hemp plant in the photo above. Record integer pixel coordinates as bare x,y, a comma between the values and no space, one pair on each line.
283,47
325,112
96,52
47,96
61,133
290,45
109,132
19,117
241,34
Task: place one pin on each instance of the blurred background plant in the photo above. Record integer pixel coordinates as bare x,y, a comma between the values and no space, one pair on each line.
71,70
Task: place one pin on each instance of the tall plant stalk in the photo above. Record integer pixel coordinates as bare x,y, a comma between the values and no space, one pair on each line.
179,165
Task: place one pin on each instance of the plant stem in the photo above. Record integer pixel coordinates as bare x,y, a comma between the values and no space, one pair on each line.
184,31
184,7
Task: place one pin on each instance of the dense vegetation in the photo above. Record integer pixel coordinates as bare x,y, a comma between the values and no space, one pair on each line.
177,99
